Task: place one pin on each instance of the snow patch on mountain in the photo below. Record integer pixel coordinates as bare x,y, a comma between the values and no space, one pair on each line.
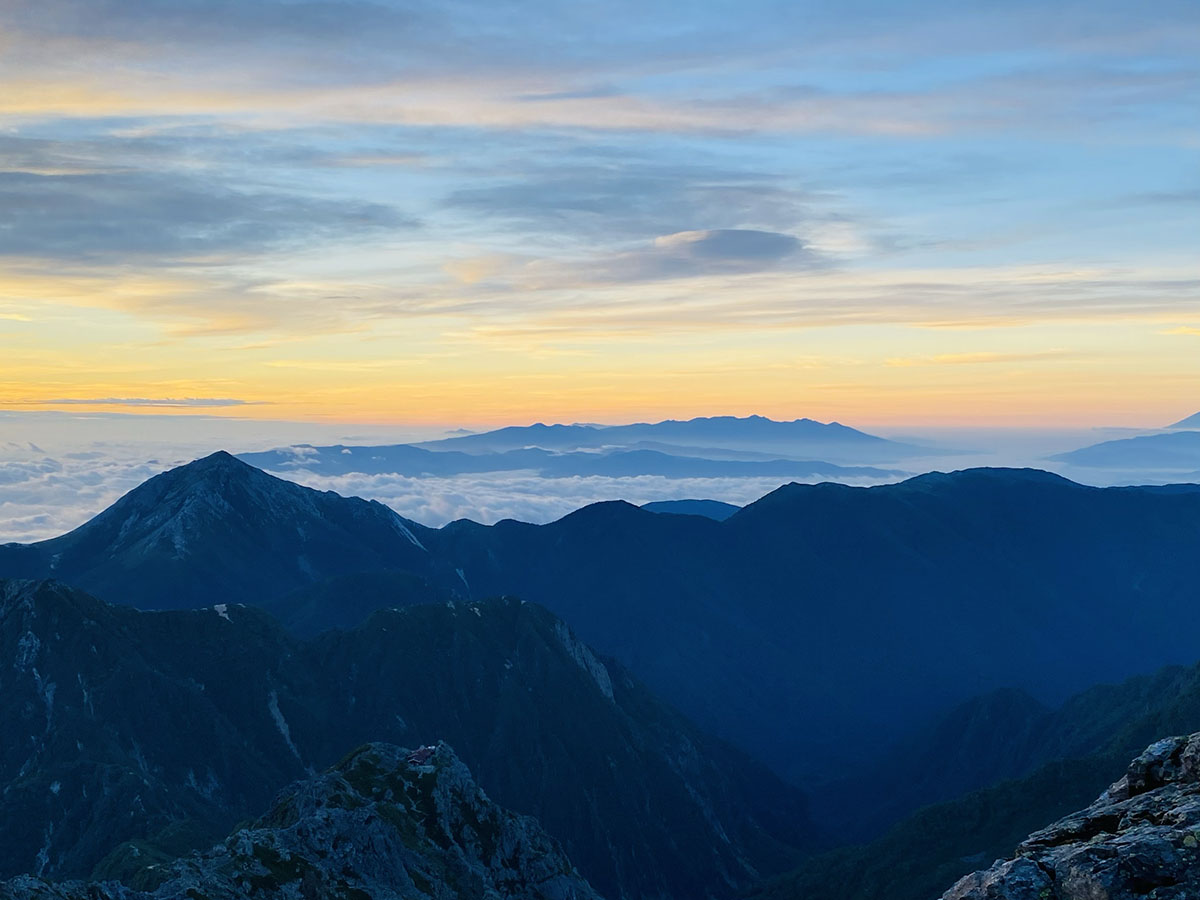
586,659
403,528
281,722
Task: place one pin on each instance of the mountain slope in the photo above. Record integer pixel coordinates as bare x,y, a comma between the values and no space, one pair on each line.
1003,735
980,742
1060,764
1176,451
1192,421
346,601
220,530
819,618
382,822
825,616
164,729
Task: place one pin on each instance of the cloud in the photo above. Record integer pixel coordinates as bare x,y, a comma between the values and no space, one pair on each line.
526,496
1044,100
681,255
174,402
551,65
590,300
43,496
159,29
204,301
149,216
724,251
605,194
581,173
1186,198
985,357
729,245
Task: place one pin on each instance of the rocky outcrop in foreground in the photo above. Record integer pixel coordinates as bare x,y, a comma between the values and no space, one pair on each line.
383,823
1140,839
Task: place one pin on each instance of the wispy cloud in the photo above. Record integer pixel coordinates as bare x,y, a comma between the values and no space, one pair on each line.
170,402
151,217
691,254
983,357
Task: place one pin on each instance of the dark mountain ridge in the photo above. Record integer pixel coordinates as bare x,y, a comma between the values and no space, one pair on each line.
818,621
149,734
972,579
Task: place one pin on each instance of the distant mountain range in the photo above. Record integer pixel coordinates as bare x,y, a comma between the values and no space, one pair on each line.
1177,451
799,438
412,461
1192,421
722,447
133,738
818,621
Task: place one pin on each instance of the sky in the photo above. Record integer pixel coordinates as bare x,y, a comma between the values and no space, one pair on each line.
458,213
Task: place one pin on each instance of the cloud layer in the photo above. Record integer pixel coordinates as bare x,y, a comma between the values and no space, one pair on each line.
43,496
151,218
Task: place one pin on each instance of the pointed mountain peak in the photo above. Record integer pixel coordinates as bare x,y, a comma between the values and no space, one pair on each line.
217,482
221,461
219,458
208,493
218,529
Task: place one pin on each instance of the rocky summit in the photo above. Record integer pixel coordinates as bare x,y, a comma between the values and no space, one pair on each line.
384,822
1140,839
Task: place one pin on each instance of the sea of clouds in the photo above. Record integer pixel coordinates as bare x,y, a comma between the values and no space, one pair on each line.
42,496
57,470
527,496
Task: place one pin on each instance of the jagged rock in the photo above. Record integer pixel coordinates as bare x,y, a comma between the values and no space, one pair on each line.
374,826
1140,839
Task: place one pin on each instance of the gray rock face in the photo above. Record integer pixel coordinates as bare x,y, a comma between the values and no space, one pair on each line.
383,824
1140,839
